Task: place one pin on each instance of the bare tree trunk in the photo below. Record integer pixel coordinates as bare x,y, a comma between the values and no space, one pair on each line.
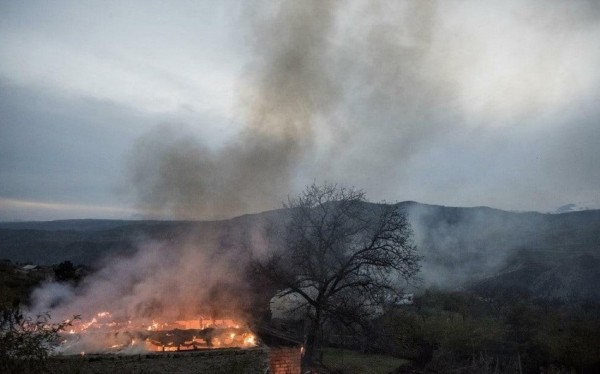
313,342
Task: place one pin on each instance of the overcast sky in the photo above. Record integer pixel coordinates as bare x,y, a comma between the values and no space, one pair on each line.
207,109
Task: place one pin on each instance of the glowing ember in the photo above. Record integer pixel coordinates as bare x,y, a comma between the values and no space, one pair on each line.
103,334
250,340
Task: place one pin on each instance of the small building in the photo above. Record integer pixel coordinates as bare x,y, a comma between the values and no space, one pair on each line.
285,353
406,299
28,268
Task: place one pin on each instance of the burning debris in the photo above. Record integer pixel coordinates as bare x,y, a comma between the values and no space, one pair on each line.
104,334
164,297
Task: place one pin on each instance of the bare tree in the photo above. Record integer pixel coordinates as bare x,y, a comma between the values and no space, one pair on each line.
342,255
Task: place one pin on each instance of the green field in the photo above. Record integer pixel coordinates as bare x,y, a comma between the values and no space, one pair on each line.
351,362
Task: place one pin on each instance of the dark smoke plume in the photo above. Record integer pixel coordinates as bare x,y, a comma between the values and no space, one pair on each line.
420,97
330,92
175,174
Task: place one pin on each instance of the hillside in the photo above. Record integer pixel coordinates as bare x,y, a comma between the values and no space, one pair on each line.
548,255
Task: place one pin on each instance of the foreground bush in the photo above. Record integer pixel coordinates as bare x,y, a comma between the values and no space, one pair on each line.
26,342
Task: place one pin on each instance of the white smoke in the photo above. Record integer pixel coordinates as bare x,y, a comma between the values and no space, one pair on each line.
167,281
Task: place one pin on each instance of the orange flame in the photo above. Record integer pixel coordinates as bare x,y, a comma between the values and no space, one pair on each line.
155,335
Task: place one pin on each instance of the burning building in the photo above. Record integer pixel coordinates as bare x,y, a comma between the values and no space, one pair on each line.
105,334
169,307
191,346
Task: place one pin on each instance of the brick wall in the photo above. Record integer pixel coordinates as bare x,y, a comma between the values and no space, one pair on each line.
284,360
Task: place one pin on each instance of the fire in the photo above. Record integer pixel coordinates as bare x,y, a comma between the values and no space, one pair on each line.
250,340
105,334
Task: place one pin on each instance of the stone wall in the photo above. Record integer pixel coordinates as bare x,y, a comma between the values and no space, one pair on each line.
217,361
285,360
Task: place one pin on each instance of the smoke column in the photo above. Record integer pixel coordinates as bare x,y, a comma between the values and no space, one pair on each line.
288,86
331,92
409,99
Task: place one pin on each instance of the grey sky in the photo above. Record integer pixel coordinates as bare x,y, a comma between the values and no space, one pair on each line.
455,103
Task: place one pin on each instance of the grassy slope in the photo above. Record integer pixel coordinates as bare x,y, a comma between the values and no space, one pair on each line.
351,362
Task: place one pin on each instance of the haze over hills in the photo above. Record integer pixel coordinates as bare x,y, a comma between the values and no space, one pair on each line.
578,206
547,255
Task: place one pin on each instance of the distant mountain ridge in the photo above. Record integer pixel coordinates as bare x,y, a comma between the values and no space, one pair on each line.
547,255
66,225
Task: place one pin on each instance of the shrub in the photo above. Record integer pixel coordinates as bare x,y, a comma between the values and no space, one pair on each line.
26,342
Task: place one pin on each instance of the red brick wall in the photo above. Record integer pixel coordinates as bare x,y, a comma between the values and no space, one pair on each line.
284,360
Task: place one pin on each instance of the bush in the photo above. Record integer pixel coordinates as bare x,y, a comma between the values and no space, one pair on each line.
26,342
